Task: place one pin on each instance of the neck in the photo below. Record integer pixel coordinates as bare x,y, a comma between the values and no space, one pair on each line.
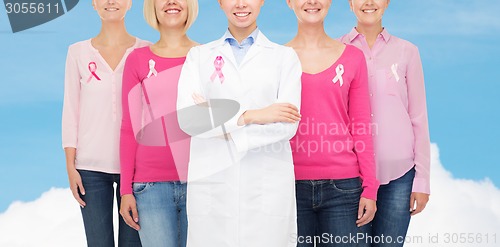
371,32
172,37
312,35
242,33
113,33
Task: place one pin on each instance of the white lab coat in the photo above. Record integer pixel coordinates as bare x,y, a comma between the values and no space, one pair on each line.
242,194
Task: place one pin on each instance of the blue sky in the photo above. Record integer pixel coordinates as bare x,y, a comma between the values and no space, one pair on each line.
458,42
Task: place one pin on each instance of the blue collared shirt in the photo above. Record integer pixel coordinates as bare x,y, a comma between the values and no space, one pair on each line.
240,50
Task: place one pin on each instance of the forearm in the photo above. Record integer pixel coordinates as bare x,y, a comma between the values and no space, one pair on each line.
70,153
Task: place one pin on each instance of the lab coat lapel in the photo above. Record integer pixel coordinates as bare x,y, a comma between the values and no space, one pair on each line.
221,47
260,44
228,54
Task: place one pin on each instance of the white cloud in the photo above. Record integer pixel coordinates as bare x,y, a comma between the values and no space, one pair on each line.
53,220
457,206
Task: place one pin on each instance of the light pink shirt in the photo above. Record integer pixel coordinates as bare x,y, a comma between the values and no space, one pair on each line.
396,84
92,107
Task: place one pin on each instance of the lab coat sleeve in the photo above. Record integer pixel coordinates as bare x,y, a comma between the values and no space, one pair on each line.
254,135
191,121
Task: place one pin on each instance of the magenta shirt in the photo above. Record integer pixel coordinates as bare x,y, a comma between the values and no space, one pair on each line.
333,140
151,162
398,101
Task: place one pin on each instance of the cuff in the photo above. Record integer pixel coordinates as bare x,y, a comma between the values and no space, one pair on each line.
421,185
370,193
126,189
240,140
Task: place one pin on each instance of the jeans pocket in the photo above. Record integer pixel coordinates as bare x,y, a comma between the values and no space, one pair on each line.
350,185
139,188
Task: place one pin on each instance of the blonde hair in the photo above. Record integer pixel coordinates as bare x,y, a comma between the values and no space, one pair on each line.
152,19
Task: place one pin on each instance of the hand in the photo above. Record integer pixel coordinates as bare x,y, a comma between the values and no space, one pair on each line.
226,137
366,211
75,184
277,112
420,199
198,99
128,206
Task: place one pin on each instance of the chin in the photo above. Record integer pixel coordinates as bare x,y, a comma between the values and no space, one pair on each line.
243,24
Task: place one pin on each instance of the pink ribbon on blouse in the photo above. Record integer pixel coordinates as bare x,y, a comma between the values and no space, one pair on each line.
93,69
218,63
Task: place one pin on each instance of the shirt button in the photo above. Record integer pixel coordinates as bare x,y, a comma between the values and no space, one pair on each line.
371,114
371,95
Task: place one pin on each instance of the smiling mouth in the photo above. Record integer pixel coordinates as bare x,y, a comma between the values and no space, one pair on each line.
369,11
312,10
112,9
242,14
172,11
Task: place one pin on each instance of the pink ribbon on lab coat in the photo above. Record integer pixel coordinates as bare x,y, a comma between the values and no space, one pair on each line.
218,63
93,69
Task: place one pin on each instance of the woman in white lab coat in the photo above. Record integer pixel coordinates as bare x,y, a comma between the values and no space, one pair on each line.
240,179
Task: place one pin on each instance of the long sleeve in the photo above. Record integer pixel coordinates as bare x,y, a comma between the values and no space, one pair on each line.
255,135
71,105
128,143
359,114
417,110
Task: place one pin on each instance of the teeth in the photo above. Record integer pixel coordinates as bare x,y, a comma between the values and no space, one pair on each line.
242,14
369,10
312,10
173,11
111,9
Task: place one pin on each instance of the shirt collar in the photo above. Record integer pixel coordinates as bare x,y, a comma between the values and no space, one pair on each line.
228,37
385,35
354,34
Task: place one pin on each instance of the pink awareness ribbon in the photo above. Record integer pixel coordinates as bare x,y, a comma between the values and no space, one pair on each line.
93,69
152,70
394,69
338,78
218,63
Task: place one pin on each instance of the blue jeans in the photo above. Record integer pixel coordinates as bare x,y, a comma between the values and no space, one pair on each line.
162,213
393,211
327,210
98,212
